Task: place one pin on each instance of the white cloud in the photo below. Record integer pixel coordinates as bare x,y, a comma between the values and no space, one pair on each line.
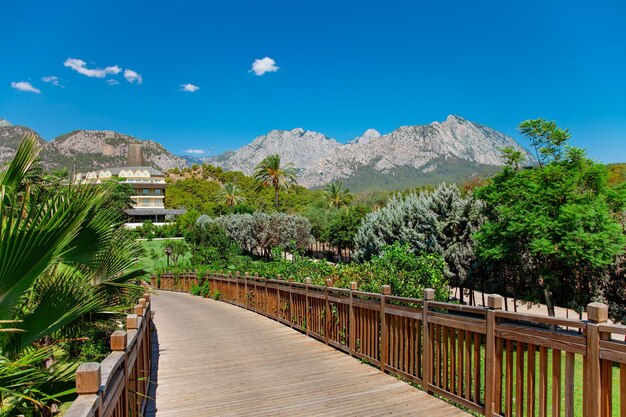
261,66
80,66
189,88
132,77
194,151
25,86
112,82
52,79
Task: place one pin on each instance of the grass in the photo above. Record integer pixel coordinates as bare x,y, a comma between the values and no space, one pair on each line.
154,257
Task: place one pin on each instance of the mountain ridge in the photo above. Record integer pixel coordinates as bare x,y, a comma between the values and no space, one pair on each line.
451,150
85,149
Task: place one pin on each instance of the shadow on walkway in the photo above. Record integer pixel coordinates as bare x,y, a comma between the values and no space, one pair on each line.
154,374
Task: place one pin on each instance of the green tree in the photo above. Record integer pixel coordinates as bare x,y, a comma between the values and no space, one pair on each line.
270,172
338,195
344,226
230,195
556,223
209,243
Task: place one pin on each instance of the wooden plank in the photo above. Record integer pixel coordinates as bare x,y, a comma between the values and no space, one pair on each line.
568,393
543,381
508,399
556,383
531,364
519,379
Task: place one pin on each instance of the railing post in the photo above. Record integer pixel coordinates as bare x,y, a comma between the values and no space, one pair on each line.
329,283
88,377
265,297
290,316
132,320
138,309
118,344
118,341
153,281
246,276
278,277
427,377
307,282
494,302
385,290
351,326
237,292
597,313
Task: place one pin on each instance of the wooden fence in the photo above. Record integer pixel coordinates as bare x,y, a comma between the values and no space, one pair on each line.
118,387
487,360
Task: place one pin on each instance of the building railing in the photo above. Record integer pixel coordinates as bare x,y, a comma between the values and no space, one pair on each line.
118,387
482,358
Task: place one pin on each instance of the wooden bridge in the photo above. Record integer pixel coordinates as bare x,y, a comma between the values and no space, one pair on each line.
216,358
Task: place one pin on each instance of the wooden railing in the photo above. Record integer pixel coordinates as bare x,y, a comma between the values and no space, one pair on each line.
487,360
118,387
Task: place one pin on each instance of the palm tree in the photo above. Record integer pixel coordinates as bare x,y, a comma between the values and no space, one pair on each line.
64,262
338,195
230,194
269,172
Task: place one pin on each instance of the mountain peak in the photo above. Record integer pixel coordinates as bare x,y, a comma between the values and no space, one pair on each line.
4,122
455,118
368,135
297,131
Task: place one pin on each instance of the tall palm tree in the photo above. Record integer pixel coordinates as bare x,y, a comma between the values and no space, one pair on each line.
338,195
230,194
269,172
64,262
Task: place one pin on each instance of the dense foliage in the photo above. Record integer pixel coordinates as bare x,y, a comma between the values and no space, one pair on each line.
553,227
66,268
441,222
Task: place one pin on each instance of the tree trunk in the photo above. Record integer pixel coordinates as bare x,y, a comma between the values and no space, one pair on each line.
549,303
276,197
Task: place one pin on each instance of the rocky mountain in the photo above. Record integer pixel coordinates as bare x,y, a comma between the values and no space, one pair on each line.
299,147
86,149
426,149
452,150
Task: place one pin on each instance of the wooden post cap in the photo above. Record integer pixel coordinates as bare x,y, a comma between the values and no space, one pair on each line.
429,294
279,276
142,302
237,273
247,274
597,312
307,281
138,309
146,295
256,274
291,278
132,320
229,274
385,290
329,282
118,341
88,378
494,301
353,286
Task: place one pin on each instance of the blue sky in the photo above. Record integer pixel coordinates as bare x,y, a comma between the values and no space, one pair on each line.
343,67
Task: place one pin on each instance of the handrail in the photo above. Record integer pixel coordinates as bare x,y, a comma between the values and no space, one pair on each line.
487,360
118,387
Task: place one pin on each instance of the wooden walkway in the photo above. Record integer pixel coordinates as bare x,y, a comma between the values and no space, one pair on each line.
216,359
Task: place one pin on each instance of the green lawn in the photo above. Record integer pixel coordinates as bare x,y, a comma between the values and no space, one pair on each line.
154,258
